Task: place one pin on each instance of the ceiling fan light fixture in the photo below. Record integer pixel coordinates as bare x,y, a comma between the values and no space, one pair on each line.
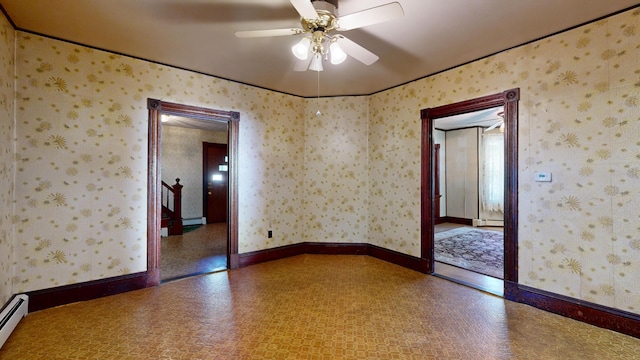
301,49
316,63
318,19
338,56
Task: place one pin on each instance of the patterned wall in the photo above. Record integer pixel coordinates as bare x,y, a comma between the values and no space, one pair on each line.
335,158
579,119
271,172
81,160
82,157
182,158
7,167
394,169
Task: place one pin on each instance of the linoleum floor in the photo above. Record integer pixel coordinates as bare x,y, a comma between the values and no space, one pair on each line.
200,251
310,307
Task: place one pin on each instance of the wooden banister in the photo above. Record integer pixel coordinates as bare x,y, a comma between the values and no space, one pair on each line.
172,206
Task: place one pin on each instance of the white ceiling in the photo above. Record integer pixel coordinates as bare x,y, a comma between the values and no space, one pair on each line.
198,35
481,118
192,123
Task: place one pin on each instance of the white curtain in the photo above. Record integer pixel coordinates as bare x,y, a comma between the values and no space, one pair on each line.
493,166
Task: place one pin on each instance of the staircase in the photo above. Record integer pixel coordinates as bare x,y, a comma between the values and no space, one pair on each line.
172,207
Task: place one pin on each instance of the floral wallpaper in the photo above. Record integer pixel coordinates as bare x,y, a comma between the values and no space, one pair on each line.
351,174
7,167
82,159
579,119
394,169
335,158
271,170
579,235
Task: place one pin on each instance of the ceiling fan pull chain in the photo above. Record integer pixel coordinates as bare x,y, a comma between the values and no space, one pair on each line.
318,113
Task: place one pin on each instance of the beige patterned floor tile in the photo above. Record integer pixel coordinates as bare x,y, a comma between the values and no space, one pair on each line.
310,307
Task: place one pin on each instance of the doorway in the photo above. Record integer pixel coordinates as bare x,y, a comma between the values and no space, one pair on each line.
469,198
158,108
432,194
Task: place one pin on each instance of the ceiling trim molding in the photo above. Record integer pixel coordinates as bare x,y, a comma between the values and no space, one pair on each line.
511,48
9,19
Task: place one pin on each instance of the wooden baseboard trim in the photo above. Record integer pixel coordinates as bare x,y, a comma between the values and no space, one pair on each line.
234,261
282,252
394,257
456,220
584,311
336,248
260,256
391,256
61,295
594,314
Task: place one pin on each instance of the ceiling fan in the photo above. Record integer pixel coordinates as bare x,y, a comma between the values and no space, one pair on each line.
319,19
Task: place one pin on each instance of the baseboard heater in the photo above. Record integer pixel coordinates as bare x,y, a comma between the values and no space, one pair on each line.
11,315
195,221
484,222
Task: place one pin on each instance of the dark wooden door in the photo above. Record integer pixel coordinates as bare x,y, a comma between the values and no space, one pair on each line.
216,182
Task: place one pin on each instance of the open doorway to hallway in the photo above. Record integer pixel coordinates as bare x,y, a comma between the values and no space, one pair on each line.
198,251
194,152
202,247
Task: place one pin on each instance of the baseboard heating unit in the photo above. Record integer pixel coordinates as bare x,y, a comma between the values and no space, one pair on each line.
483,222
11,315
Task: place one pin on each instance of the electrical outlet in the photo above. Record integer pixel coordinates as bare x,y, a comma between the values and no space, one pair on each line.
270,234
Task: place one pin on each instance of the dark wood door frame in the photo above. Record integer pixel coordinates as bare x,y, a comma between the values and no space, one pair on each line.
436,182
156,109
508,99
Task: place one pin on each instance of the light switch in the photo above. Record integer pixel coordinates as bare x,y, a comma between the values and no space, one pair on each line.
542,176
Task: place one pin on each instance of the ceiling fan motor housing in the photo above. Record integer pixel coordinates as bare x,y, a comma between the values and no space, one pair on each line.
325,22
329,5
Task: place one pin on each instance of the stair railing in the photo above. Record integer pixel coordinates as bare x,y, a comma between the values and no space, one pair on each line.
172,205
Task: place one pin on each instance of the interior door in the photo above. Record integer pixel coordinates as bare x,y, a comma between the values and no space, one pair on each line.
216,182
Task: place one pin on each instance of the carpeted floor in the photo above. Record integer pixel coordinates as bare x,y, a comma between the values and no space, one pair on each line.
190,228
473,249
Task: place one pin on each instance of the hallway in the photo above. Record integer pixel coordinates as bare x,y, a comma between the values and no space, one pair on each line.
310,307
200,251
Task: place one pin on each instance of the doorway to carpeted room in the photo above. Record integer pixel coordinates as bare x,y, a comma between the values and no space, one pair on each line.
473,256
475,249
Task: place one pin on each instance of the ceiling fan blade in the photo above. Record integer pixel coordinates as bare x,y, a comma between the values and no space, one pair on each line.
371,16
305,8
220,11
266,33
356,51
302,65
